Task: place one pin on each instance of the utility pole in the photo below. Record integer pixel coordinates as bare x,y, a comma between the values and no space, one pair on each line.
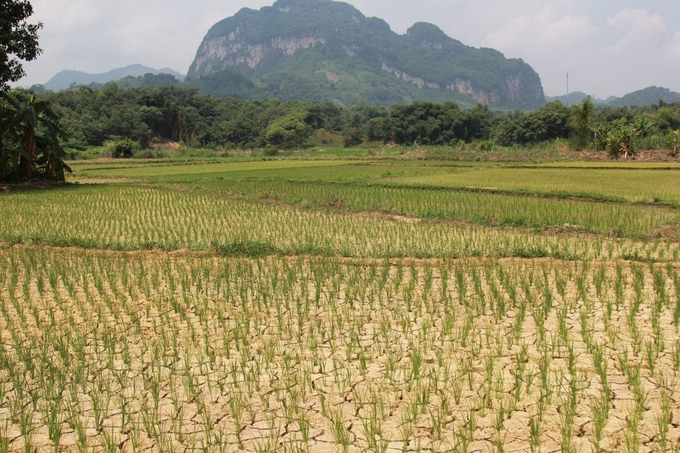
568,101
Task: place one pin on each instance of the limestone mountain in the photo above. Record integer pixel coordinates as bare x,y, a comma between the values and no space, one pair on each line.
325,50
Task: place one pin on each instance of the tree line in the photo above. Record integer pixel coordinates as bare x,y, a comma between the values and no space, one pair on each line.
136,118
151,113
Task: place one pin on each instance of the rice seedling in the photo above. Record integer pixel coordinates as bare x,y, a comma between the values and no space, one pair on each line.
535,433
279,327
340,432
664,419
124,218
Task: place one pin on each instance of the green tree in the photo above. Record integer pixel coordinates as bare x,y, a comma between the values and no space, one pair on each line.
548,123
30,138
581,116
674,142
18,40
353,136
378,129
152,116
289,131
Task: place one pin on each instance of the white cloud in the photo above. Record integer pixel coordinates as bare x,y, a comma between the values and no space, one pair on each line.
646,53
608,46
542,32
59,16
643,31
674,46
552,40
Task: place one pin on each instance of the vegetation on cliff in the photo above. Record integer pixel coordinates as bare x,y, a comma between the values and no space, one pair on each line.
322,50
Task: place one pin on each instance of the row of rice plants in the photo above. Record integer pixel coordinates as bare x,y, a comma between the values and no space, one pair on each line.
635,185
482,208
121,217
190,170
156,351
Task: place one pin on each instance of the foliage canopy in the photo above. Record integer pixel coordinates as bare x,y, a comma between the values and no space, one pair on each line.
18,39
30,139
148,114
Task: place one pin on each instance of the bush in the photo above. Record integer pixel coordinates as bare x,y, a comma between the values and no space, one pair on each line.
271,150
291,131
673,142
486,145
151,154
124,148
353,136
620,140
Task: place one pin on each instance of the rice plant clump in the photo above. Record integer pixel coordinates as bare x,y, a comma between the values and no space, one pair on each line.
168,351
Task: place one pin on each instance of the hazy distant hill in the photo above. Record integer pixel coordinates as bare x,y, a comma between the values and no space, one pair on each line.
647,96
64,79
324,50
572,99
650,95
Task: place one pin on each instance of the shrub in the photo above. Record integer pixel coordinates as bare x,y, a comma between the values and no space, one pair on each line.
673,141
291,131
486,145
353,136
271,150
124,148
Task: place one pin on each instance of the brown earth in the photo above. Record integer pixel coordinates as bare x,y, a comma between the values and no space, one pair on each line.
239,361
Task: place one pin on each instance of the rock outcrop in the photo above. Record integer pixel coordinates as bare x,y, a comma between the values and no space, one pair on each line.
307,39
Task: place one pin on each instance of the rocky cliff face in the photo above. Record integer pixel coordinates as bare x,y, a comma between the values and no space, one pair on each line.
227,52
304,38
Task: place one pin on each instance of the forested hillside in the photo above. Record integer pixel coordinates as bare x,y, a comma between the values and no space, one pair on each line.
322,50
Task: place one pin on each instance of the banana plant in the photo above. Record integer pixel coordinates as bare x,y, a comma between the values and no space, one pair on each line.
674,142
600,135
30,139
621,137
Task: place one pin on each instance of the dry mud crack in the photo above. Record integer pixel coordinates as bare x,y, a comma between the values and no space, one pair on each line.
106,351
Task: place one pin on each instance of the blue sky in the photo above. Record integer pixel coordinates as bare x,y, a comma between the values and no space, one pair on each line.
609,47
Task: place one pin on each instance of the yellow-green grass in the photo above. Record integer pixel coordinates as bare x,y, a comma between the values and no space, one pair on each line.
439,192
468,206
629,165
297,170
641,185
122,217
175,169
637,183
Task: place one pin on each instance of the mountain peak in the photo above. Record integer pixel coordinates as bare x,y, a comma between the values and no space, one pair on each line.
329,50
285,6
428,35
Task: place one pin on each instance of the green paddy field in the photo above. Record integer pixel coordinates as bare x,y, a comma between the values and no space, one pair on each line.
342,304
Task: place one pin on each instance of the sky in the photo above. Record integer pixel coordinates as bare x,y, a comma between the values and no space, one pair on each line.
608,47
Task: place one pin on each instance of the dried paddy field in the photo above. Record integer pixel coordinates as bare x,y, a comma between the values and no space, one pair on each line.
195,311
176,352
